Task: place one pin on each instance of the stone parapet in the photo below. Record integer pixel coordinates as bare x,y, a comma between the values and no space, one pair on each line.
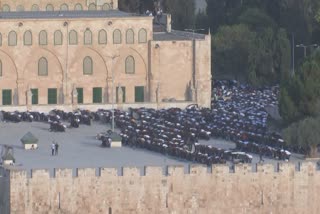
175,189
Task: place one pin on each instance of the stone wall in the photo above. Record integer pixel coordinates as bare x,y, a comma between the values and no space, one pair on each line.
42,5
170,190
4,192
172,70
65,62
95,107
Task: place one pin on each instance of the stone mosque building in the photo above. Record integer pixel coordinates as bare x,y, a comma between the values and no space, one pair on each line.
70,52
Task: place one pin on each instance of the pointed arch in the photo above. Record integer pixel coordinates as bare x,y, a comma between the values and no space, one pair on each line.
102,37
130,36
35,7
106,6
64,7
87,65
49,7
58,38
92,6
78,7
43,67
130,65
12,38
43,38
87,37
73,37
27,38
6,8
116,36
142,36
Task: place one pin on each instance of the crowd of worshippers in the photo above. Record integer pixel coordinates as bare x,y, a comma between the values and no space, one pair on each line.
238,114
57,119
172,132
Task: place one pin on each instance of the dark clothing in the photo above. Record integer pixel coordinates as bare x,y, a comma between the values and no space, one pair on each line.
56,148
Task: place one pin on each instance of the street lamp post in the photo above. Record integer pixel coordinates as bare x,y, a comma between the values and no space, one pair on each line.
112,90
305,48
194,58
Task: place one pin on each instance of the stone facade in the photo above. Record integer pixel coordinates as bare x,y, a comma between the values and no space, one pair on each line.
56,5
176,68
154,190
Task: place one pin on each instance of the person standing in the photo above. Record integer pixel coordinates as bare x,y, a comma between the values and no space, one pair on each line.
56,147
53,146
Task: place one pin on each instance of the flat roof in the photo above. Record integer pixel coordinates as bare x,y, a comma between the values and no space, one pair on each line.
78,148
66,14
177,35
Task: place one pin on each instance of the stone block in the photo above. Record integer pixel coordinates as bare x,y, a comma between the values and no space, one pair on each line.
63,173
86,172
220,169
154,171
308,168
175,171
198,170
265,168
131,172
40,174
108,172
18,174
243,169
286,168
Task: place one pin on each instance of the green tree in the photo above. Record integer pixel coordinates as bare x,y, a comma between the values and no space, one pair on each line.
131,6
304,134
287,108
182,11
303,90
256,50
231,48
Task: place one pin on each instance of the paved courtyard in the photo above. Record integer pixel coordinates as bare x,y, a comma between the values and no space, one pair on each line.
79,149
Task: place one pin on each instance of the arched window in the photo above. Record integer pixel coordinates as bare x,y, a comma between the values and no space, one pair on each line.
130,65
106,6
6,8
43,67
87,37
92,6
0,68
116,36
87,65
49,7
78,7
43,38
142,36
0,39
12,38
130,36
73,37
27,38
35,7
64,7
57,37
20,8
102,37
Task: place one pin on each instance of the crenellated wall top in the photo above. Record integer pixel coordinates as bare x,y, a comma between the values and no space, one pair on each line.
307,168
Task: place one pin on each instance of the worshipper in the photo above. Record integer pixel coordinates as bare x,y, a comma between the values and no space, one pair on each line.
53,147
56,147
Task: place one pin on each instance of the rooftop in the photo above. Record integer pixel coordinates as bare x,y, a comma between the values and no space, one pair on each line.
177,35
66,14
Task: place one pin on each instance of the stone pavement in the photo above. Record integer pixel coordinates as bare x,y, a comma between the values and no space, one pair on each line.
78,148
